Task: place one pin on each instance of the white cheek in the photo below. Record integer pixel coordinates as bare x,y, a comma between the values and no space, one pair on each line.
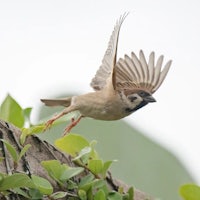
136,102
127,102
136,99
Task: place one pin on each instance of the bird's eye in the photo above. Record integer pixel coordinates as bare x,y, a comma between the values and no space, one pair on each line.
132,98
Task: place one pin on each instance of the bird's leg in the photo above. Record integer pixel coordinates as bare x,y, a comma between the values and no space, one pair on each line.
73,123
49,123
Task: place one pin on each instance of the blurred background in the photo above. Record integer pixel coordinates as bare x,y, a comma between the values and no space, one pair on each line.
53,48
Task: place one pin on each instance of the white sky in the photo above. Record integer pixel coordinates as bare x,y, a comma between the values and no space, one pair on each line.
51,47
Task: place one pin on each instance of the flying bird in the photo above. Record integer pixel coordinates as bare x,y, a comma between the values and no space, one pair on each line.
120,86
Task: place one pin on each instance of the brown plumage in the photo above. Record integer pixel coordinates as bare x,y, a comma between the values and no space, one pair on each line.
121,86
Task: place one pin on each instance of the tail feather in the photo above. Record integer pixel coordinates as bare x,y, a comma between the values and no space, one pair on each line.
57,102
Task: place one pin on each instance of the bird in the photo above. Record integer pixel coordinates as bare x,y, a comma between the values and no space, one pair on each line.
121,86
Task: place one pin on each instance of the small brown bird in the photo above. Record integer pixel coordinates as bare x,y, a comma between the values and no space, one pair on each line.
121,87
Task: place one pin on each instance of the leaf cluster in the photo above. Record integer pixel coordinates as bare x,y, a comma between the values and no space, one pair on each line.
84,179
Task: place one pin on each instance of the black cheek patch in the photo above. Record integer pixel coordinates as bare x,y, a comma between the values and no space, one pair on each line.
132,99
130,110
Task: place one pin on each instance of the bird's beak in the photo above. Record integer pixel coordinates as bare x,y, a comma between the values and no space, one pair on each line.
150,99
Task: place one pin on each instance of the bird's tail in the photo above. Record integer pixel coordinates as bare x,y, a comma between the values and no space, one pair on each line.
57,102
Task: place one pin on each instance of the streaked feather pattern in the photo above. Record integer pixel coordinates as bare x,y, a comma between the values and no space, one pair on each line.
105,71
134,72
131,71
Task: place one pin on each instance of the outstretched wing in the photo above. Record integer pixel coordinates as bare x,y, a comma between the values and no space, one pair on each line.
136,73
104,74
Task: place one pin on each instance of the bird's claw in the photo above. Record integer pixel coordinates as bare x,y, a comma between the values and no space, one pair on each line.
70,126
48,124
73,123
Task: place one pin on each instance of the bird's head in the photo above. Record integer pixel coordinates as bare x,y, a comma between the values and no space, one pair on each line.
137,99
140,96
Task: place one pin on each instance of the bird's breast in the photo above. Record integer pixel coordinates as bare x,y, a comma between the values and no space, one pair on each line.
101,107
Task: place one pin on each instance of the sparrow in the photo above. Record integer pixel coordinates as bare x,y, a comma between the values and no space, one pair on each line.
120,86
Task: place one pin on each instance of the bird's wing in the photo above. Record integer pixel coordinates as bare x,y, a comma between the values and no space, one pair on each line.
104,74
136,73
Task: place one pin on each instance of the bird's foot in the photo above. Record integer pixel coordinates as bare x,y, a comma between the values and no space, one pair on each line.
73,124
50,122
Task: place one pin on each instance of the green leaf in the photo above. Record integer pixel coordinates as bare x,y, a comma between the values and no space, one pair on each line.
54,169
30,131
90,194
100,195
126,197
71,185
16,181
12,112
120,190
21,192
114,196
71,172
84,154
11,150
71,144
27,114
98,184
34,129
23,135
86,179
96,166
24,150
131,193
1,177
190,192
82,194
60,172
42,185
87,185
106,166
35,194
58,195
94,155
92,186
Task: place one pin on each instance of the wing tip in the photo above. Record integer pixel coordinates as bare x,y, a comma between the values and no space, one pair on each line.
163,75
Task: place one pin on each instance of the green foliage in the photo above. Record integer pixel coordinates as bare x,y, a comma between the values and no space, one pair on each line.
84,153
60,172
30,131
87,180
15,156
16,181
36,186
190,192
72,144
100,195
42,185
11,150
27,115
12,112
58,195
92,186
